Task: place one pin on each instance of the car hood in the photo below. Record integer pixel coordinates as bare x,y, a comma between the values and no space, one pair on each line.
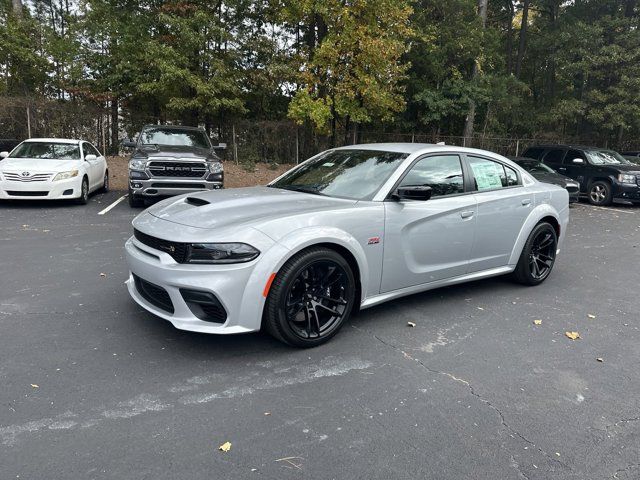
554,178
175,151
252,206
33,165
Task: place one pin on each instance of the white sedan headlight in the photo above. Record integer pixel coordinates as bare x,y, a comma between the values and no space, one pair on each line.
65,175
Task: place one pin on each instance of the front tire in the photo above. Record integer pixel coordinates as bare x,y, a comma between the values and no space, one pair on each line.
311,298
135,201
83,199
600,193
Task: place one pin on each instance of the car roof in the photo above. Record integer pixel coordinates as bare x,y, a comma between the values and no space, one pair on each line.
55,140
415,148
523,159
173,127
576,147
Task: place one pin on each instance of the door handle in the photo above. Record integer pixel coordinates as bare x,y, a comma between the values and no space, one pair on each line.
467,214
526,202
562,168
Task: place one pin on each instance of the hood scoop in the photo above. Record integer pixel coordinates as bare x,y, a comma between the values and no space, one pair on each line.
198,202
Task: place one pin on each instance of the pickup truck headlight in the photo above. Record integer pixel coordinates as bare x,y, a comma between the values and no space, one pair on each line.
215,167
137,164
626,178
221,253
65,175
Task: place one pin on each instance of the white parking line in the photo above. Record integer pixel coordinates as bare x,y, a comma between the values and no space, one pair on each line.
113,205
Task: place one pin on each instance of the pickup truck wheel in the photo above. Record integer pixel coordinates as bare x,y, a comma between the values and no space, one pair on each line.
135,201
600,193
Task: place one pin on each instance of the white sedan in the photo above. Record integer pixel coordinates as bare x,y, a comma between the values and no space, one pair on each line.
52,168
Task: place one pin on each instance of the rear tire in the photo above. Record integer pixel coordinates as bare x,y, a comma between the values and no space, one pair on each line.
311,298
600,193
83,199
538,255
135,201
105,182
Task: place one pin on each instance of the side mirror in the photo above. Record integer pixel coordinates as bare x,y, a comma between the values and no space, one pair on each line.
90,158
4,155
413,192
220,146
578,161
128,143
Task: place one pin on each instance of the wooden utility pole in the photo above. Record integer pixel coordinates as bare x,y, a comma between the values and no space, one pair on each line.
471,115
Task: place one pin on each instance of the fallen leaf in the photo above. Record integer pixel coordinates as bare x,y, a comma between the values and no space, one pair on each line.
537,322
590,315
103,274
480,308
225,447
572,335
411,324
35,386
600,359
266,414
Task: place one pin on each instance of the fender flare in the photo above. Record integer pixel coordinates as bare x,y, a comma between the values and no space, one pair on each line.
537,214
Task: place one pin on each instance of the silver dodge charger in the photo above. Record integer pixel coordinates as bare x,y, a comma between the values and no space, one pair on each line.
348,229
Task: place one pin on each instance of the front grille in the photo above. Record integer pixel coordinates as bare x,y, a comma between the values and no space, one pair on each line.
36,177
178,169
177,250
178,185
15,193
154,294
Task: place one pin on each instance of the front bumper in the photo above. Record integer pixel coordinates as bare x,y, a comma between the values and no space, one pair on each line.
48,190
166,186
626,192
237,287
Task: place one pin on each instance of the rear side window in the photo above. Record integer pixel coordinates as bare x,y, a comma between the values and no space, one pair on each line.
490,175
533,152
443,173
554,156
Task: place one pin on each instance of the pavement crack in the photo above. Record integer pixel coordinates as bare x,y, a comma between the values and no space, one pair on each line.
473,392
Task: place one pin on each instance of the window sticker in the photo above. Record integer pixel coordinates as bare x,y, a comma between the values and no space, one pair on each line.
487,175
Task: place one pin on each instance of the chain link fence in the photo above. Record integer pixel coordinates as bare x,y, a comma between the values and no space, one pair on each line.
247,141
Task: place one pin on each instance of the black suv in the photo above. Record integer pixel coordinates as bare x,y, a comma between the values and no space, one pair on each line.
171,160
604,175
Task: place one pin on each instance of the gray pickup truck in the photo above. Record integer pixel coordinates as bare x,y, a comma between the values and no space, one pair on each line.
171,160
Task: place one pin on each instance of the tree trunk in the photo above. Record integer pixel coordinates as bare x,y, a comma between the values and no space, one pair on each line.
115,126
512,14
17,8
522,45
471,115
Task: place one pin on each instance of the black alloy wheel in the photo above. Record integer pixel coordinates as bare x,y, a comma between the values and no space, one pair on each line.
105,182
311,298
538,255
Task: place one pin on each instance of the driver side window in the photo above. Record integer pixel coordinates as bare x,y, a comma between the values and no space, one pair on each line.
443,173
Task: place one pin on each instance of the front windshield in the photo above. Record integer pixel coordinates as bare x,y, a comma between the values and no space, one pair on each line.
605,157
537,167
356,174
47,151
174,137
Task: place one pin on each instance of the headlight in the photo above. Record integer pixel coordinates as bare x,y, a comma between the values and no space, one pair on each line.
626,178
215,167
221,253
137,164
65,175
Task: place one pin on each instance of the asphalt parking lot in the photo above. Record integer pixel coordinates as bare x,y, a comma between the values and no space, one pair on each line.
93,387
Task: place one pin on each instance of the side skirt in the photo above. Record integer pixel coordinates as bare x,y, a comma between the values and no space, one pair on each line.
403,292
